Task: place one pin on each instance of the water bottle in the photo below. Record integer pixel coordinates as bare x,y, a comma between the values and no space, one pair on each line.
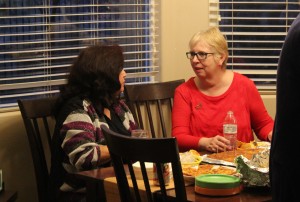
230,129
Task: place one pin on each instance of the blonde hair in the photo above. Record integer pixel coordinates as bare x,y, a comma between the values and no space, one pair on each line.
215,39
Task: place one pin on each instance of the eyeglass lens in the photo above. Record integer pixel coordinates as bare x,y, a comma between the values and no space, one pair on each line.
200,55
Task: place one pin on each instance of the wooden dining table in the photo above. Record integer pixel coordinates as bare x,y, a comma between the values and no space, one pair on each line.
94,180
254,194
104,179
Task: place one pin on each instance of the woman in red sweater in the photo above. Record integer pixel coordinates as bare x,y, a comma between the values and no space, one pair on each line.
201,103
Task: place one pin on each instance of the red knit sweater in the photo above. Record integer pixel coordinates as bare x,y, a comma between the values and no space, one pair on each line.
197,115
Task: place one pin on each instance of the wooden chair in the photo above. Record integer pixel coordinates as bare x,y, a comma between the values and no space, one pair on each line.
151,97
36,115
39,123
157,150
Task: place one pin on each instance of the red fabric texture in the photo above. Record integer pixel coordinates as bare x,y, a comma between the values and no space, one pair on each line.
197,115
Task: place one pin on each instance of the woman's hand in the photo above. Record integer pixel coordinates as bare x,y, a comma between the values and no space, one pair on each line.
270,136
215,144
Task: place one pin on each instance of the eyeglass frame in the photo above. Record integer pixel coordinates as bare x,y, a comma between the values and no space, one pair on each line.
198,54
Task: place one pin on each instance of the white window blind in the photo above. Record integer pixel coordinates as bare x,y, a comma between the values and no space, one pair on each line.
255,31
39,39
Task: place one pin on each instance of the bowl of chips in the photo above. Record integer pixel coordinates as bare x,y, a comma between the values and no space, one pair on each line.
190,158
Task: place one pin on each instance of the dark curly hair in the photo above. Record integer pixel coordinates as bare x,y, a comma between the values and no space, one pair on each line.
94,75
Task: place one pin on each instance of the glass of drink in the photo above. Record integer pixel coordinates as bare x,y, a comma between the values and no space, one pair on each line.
166,171
140,133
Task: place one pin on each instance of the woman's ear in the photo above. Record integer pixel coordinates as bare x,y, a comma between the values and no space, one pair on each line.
221,59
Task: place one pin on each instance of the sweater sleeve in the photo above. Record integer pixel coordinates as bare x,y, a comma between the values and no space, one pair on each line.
79,142
261,122
181,113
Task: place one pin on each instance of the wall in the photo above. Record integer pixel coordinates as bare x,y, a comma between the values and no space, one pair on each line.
15,157
179,21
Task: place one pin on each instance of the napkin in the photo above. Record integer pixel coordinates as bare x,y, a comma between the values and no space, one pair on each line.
138,171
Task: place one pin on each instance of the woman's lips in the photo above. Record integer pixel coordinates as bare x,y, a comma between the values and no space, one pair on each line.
198,68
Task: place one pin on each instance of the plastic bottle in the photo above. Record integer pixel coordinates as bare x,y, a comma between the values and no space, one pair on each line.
230,129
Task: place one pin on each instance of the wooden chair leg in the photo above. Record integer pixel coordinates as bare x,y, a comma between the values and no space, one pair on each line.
95,192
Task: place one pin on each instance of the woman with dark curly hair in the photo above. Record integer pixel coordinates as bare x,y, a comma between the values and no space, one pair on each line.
88,100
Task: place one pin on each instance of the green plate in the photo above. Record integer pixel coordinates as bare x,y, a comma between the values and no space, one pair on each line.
217,181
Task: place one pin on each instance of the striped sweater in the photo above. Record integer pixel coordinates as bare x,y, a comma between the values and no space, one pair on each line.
77,137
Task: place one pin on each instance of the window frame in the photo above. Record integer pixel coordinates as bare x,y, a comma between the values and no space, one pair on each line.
132,24
249,53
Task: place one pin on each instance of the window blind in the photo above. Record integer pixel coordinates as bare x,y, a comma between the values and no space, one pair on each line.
39,39
255,31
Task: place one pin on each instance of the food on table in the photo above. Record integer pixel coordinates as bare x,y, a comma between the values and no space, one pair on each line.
254,171
208,169
261,159
230,155
253,176
245,149
246,145
190,158
263,144
251,161
253,144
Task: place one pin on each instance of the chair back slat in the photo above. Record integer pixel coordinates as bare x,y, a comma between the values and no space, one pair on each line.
161,118
36,114
47,130
138,114
147,103
155,150
134,183
38,143
150,118
146,179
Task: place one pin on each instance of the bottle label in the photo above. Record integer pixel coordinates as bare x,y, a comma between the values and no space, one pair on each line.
230,128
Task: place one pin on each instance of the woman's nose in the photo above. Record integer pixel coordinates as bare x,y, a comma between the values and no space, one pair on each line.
195,59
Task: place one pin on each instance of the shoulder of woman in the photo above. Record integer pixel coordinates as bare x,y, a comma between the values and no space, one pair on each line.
69,109
70,105
242,79
123,104
188,85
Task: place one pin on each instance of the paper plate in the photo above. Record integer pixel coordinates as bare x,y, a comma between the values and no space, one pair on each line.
217,185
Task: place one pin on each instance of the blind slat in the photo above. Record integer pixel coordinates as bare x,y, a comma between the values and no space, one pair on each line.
255,32
63,81
39,42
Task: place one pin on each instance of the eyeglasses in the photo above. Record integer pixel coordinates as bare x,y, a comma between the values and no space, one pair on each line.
200,55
